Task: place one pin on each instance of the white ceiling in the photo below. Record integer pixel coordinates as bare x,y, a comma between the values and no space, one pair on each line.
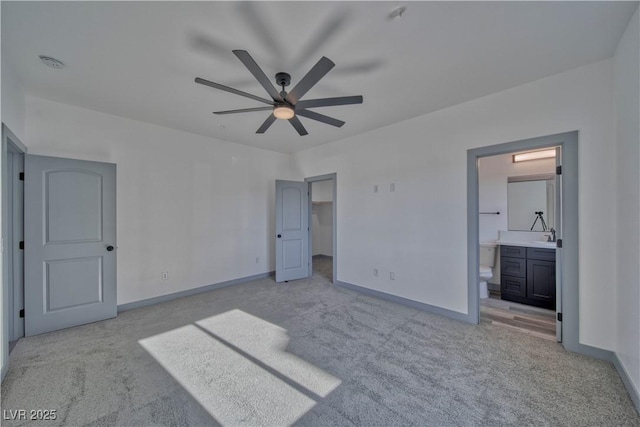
139,59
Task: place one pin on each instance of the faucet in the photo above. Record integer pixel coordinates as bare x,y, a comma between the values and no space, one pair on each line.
552,237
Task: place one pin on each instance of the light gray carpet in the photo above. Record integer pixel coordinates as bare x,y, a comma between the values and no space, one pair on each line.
306,353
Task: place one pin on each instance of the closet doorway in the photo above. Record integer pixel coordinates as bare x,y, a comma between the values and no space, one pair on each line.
322,227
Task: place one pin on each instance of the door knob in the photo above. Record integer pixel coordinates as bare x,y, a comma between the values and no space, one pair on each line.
279,236
109,248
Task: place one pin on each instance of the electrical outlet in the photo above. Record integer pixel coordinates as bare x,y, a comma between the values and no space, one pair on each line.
165,275
375,272
257,260
392,187
375,188
392,275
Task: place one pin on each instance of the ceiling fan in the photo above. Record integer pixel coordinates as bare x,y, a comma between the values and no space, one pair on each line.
286,106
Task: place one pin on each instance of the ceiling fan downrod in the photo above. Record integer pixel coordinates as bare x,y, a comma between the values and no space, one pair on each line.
283,80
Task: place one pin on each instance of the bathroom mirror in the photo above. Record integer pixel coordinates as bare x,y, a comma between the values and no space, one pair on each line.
527,196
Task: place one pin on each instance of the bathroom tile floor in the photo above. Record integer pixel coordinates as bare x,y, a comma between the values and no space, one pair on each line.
529,320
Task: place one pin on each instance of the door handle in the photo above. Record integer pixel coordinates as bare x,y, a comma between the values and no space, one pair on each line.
279,236
110,248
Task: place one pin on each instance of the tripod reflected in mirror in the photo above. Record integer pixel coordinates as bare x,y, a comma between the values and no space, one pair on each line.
541,218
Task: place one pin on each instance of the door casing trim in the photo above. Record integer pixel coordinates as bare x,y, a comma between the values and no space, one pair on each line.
9,142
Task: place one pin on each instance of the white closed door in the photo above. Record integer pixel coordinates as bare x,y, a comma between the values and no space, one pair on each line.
292,230
70,242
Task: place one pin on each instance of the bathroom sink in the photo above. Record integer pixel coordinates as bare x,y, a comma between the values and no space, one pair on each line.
530,243
543,244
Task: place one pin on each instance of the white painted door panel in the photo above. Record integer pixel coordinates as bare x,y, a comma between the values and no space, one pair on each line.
292,230
70,240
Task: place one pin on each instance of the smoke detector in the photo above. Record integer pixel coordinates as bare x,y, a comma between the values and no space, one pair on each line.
51,62
397,13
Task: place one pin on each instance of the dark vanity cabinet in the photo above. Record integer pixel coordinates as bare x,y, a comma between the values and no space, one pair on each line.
528,275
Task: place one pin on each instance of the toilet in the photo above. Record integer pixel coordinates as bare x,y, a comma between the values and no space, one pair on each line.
487,261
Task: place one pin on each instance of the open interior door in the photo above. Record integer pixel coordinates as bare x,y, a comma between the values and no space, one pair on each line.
292,230
70,241
558,223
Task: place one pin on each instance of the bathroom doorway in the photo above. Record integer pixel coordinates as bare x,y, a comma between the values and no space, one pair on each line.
322,227
517,231
566,255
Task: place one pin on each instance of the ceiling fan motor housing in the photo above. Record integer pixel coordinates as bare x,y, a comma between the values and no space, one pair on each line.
283,79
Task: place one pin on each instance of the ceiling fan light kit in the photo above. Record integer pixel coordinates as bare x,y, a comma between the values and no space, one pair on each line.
286,106
283,112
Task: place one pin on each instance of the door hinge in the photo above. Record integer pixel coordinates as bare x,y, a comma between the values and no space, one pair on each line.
559,317
21,176
559,170
22,313
21,245
559,243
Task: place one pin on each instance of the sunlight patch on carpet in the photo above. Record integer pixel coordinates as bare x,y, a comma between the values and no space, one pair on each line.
215,366
267,342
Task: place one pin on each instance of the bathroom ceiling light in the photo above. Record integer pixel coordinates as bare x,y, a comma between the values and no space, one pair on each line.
283,112
534,155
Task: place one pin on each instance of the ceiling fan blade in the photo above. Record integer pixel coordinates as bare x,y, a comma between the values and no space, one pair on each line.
257,72
295,122
318,71
327,102
243,110
320,117
231,90
263,128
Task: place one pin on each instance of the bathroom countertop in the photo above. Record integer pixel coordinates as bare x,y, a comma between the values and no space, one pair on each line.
532,244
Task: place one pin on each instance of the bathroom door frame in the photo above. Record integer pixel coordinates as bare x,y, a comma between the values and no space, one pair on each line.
566,258
334,178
